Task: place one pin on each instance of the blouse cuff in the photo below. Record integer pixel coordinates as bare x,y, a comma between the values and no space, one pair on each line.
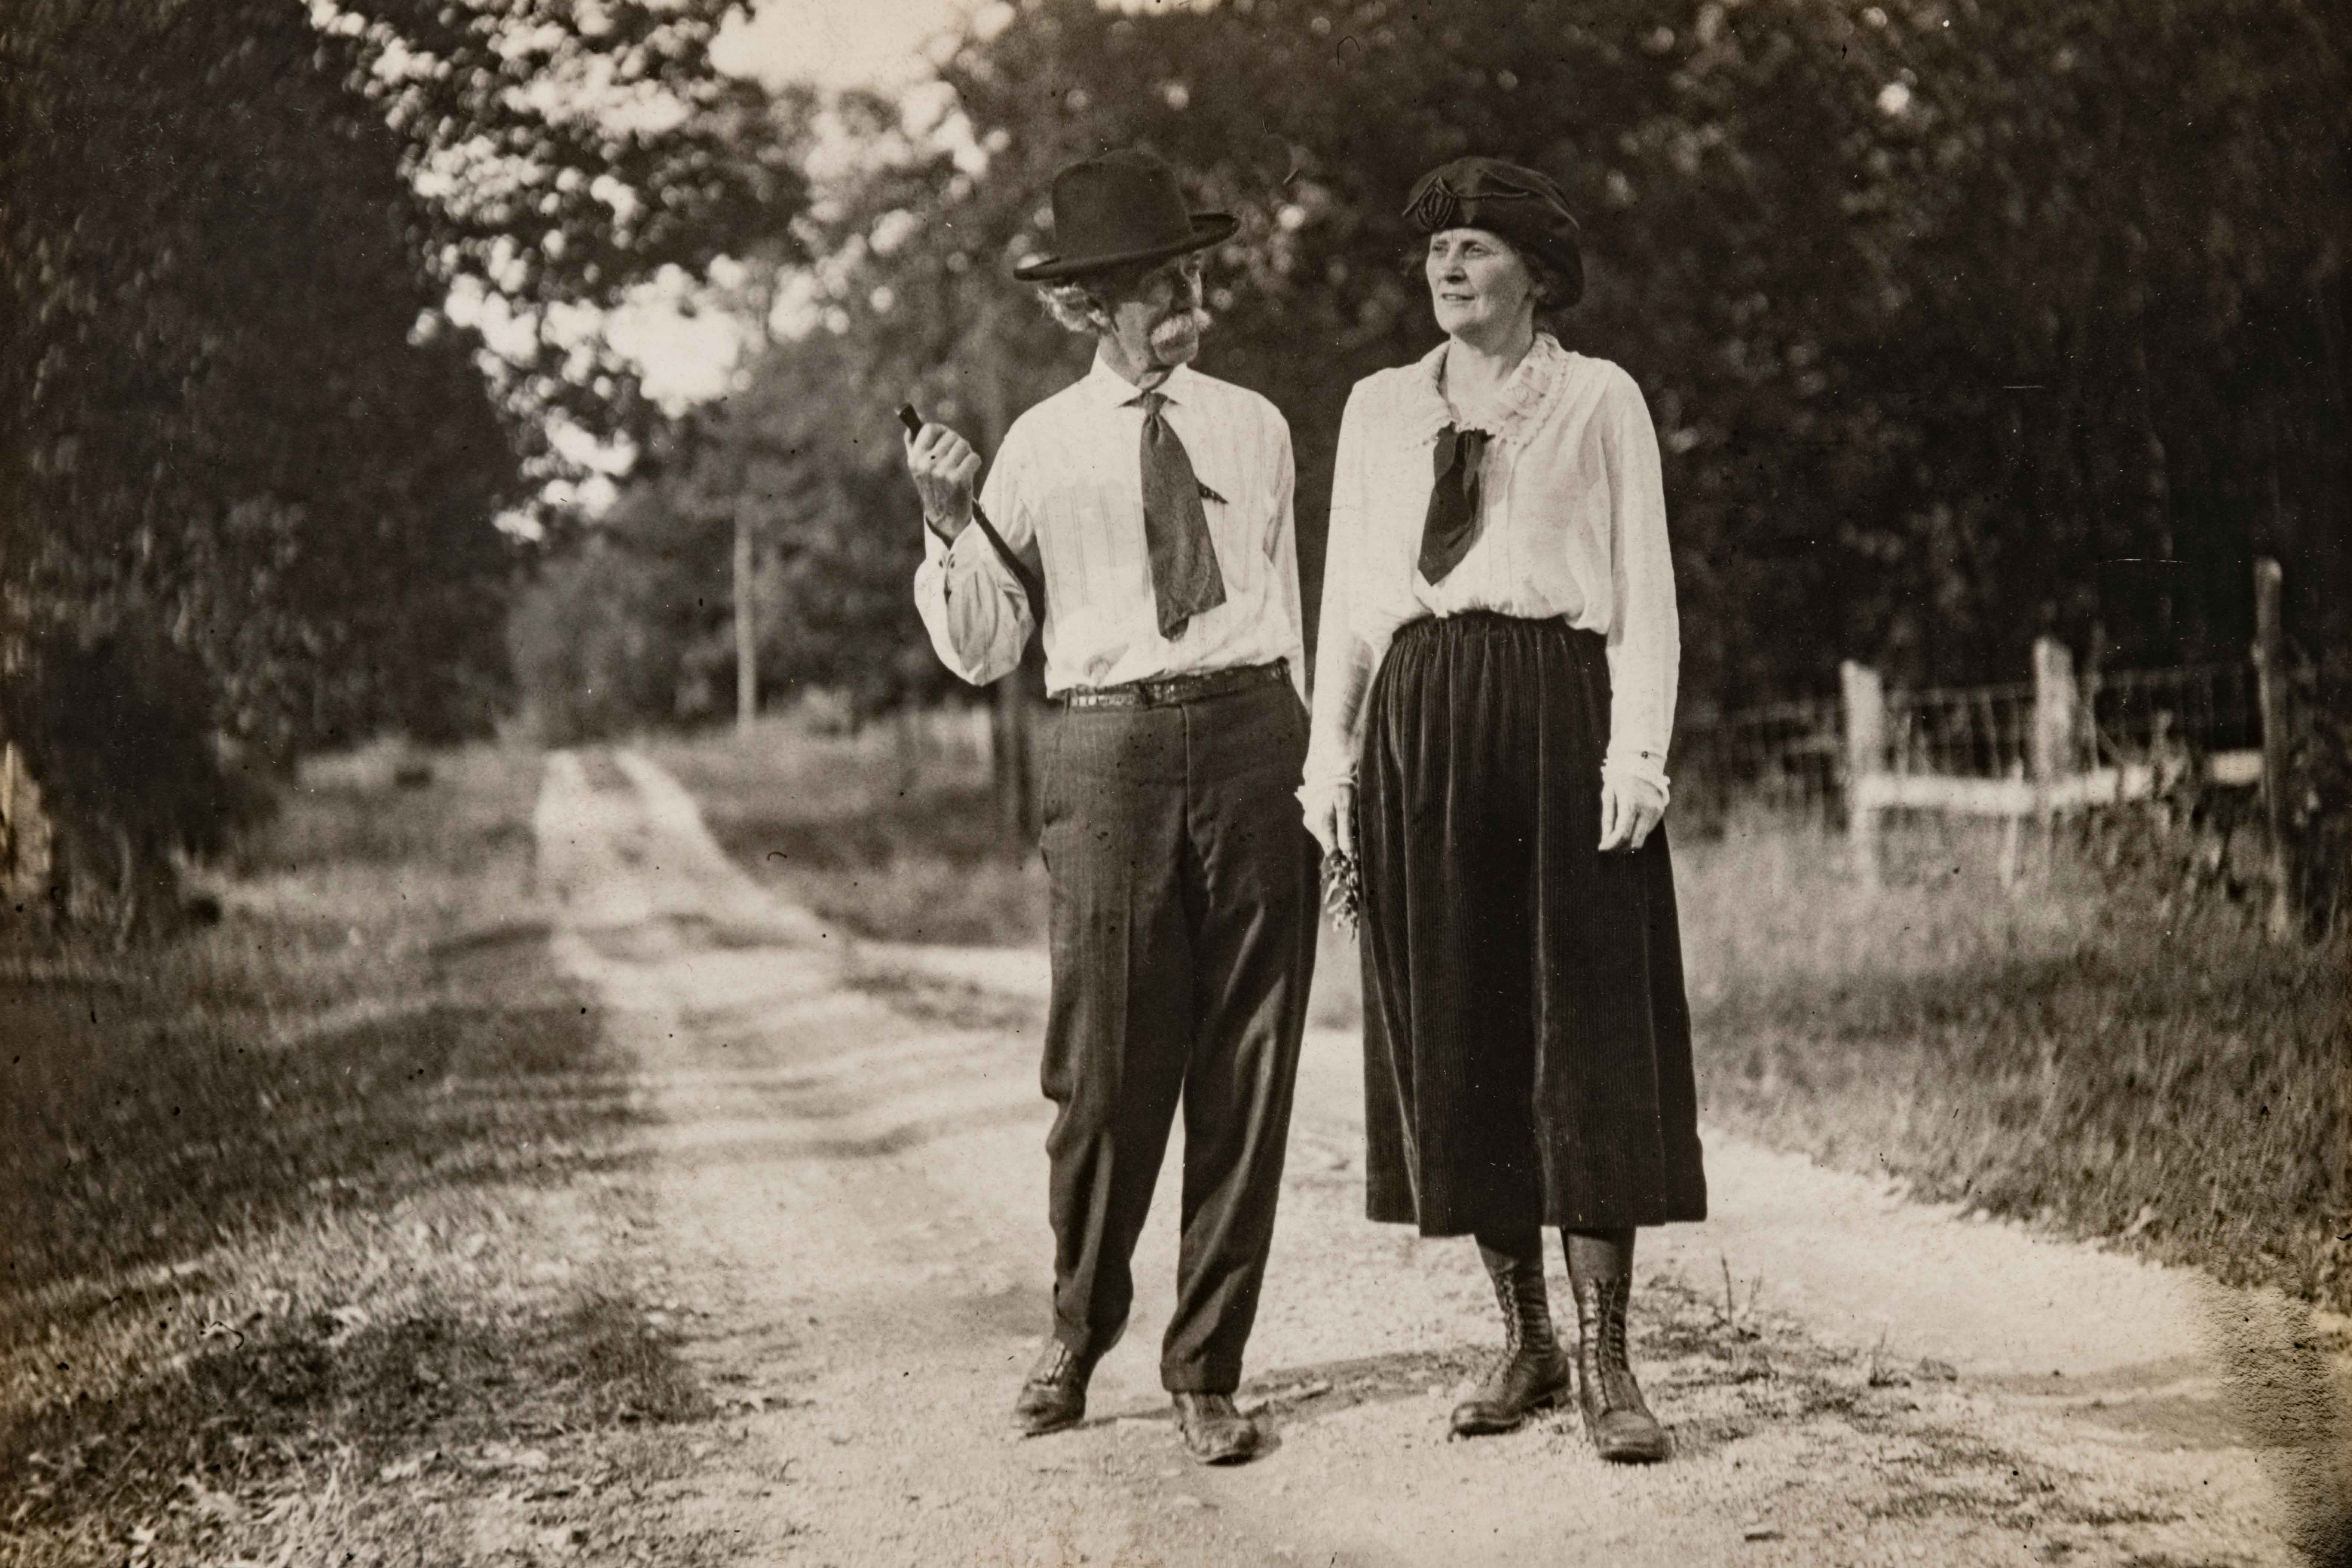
1648,768
1323,779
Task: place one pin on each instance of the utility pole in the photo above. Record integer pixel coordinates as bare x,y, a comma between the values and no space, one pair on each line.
747,632
762,291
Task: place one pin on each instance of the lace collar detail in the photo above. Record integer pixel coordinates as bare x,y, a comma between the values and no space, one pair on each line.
1520,403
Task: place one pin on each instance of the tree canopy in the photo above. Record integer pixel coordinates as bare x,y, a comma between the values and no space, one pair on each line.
241,409
1952,317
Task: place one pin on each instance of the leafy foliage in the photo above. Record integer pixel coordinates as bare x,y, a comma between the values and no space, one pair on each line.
639,624
221,418
567,153
241,416
1946,313
116,724
600,646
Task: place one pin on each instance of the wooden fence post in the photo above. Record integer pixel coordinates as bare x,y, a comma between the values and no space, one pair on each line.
7,817
2270,677
2053,750
29,844
1865,757
2052,757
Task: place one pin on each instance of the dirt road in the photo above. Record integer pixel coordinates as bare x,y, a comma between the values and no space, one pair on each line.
850,1176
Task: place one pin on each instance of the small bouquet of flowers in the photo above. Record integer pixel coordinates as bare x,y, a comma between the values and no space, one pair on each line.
1343,892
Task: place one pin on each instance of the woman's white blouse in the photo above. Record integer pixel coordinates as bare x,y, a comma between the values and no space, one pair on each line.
1574,526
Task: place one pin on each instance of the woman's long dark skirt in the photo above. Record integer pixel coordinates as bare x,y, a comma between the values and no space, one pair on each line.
1527,1038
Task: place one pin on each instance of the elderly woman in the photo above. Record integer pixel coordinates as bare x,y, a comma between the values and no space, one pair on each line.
1492,696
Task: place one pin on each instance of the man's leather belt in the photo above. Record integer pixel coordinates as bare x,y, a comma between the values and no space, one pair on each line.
1175,689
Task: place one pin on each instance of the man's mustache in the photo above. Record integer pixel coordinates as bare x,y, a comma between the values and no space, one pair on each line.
1198,317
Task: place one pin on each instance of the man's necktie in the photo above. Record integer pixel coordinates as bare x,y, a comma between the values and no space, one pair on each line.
1452,525
1184,576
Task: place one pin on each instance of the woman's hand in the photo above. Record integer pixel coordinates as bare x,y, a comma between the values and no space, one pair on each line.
1333,824
1629,808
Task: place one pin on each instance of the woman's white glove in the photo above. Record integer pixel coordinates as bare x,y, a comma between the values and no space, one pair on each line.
1332,821
1629,808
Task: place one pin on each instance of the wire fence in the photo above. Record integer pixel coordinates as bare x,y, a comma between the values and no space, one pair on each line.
1783,760
2135,715
1960,732
1792,760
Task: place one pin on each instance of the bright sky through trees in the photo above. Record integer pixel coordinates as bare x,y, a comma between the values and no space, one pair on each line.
836,43
832,44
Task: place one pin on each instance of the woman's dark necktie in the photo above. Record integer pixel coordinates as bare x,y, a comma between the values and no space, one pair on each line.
1452,525
1185,580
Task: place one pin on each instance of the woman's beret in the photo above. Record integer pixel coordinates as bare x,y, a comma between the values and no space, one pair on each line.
1522,205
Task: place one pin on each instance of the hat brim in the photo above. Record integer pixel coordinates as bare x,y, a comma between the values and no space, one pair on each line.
1208,230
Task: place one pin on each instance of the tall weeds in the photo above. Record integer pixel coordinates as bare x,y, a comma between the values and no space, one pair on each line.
2113,1055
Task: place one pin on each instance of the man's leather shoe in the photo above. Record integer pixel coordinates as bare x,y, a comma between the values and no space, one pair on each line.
1214,1432
1054,1396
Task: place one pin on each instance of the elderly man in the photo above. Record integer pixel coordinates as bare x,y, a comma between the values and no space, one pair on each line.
1155,502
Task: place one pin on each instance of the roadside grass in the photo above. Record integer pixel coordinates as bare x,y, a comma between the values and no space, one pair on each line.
2102,1054
888,833
2112,1056
364,1020
311,1222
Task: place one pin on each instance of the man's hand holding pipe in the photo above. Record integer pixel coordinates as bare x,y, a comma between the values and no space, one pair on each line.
943,466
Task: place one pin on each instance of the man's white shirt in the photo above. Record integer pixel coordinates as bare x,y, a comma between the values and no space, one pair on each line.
1067,493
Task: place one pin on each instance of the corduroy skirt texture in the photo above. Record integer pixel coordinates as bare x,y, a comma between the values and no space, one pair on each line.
1526,1036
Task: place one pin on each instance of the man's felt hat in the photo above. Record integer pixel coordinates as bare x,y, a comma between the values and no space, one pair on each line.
1117,210
1522,205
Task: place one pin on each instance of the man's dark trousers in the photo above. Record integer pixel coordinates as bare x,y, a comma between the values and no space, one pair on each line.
1183,939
